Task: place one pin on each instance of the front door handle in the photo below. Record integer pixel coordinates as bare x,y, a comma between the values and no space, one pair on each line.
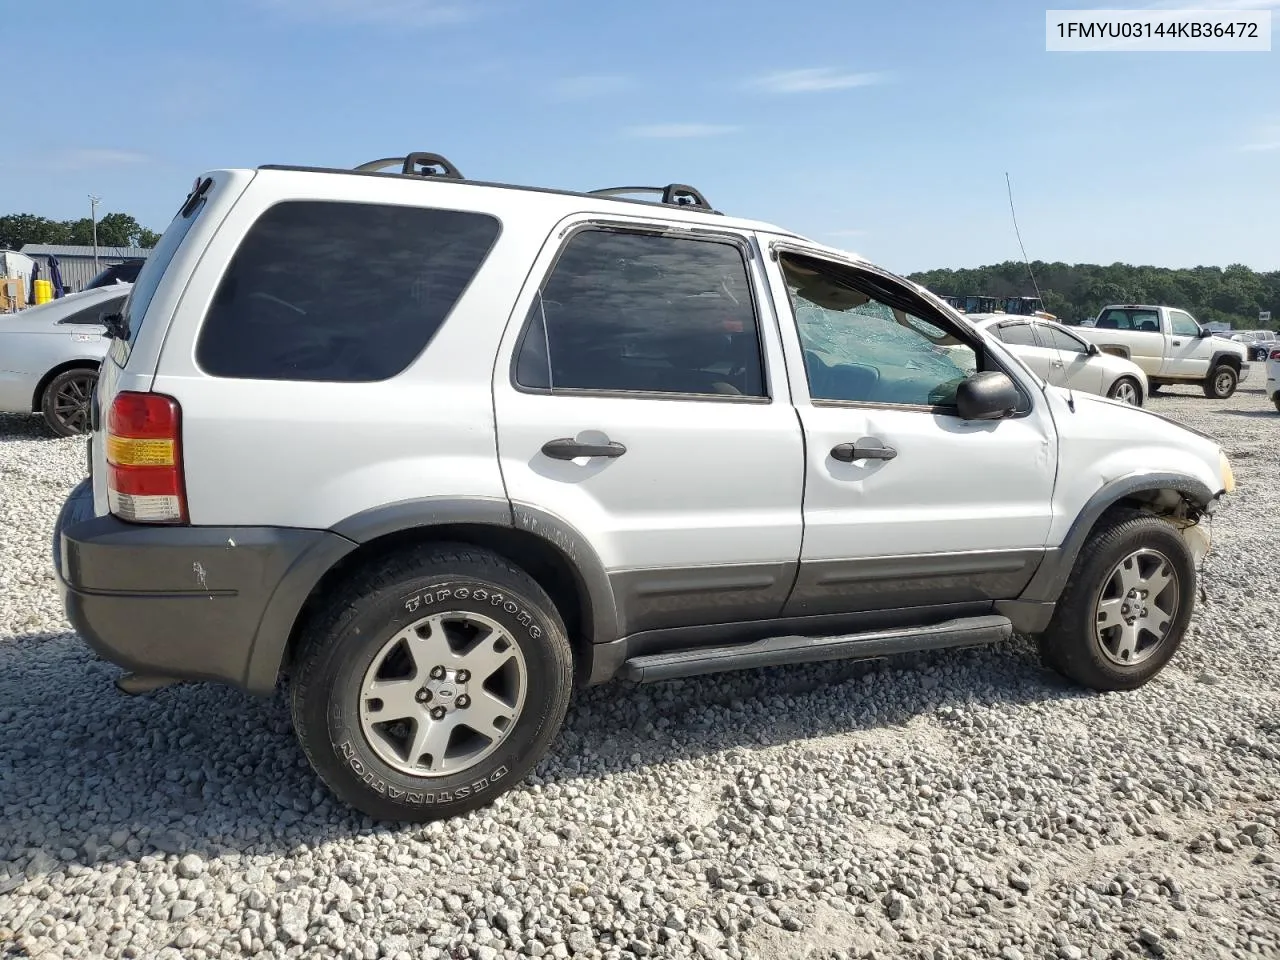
868,449
566,448
1177,343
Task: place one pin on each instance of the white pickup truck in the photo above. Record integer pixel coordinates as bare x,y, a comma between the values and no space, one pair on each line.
1170,346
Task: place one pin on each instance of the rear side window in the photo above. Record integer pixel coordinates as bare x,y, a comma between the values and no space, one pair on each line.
644,313
93,314
347,292
144,288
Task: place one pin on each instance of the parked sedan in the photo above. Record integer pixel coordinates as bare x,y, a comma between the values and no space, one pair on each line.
50,354
1259,343
1065,359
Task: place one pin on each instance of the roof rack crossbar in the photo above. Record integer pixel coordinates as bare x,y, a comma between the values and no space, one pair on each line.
675,194
420,163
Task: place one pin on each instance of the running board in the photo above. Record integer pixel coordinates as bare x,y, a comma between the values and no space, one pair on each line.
775,651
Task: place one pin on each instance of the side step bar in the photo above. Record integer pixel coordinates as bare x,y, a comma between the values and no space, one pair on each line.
774,651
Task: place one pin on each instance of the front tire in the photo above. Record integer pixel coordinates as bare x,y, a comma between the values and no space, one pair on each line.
1126,390
65,404
431,683
1221,382
1126,606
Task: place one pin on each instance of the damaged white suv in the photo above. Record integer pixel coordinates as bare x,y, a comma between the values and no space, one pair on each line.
438,451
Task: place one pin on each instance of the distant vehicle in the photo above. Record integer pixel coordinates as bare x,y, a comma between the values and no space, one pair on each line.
1170,346
1024,306
1065,359
1019,306
50,354
1273,376
1259,343
124,272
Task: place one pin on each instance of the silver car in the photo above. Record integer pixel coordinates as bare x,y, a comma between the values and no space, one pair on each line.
50,353
1056,354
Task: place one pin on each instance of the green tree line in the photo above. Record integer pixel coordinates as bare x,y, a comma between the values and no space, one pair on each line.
114,230
1077,291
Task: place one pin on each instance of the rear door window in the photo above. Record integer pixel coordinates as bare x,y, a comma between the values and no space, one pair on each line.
628,312
1018,334
334,291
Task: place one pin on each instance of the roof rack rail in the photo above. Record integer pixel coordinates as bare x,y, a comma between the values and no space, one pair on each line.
420,164
676,194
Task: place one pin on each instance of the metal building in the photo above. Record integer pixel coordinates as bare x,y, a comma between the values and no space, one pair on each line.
77,262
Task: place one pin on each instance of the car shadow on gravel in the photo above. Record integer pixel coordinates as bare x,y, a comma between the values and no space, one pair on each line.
17,427
1271,413
92,775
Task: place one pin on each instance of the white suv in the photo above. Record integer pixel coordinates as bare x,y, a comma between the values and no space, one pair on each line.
439,450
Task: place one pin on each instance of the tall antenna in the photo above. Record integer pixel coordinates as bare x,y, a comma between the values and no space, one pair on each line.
1018,233
1071,397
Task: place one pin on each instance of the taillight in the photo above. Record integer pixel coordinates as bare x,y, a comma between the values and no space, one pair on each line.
144,459
1275,354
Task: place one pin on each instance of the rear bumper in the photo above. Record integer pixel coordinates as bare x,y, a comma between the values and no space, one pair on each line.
188,603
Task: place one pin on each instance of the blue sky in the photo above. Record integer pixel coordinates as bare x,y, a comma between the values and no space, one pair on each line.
884,128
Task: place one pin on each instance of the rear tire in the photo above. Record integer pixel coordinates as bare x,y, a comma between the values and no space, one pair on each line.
1276,401
65,403
1221,382
1126,390
1087,639
406,628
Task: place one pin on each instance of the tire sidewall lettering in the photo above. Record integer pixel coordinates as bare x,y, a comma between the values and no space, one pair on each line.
355,755
421,798
415,602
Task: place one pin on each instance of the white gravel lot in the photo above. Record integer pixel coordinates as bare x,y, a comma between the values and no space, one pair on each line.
964,804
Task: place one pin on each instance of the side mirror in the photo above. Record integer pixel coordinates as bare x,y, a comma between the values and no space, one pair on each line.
987,395
1205,332
1092,350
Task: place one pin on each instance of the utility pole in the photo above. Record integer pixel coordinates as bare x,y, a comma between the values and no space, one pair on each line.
93,215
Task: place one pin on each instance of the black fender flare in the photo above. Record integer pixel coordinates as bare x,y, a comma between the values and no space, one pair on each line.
1229,357
1051,576
276,625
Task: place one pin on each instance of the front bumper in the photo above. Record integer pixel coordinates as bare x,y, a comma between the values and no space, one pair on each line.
187,603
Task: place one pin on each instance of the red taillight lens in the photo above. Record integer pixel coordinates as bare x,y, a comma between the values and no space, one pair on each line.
144,459
1275,354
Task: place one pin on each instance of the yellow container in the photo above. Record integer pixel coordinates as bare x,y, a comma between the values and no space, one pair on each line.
44,291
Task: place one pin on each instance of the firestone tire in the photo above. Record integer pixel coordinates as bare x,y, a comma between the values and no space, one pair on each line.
1071,645
1221,382
340,651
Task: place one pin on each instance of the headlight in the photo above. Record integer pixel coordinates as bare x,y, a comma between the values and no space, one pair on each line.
1224,471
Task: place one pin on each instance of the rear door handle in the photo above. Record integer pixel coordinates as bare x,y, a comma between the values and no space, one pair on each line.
868,449
566,448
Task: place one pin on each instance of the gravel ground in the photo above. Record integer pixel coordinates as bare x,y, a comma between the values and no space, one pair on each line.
965,804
